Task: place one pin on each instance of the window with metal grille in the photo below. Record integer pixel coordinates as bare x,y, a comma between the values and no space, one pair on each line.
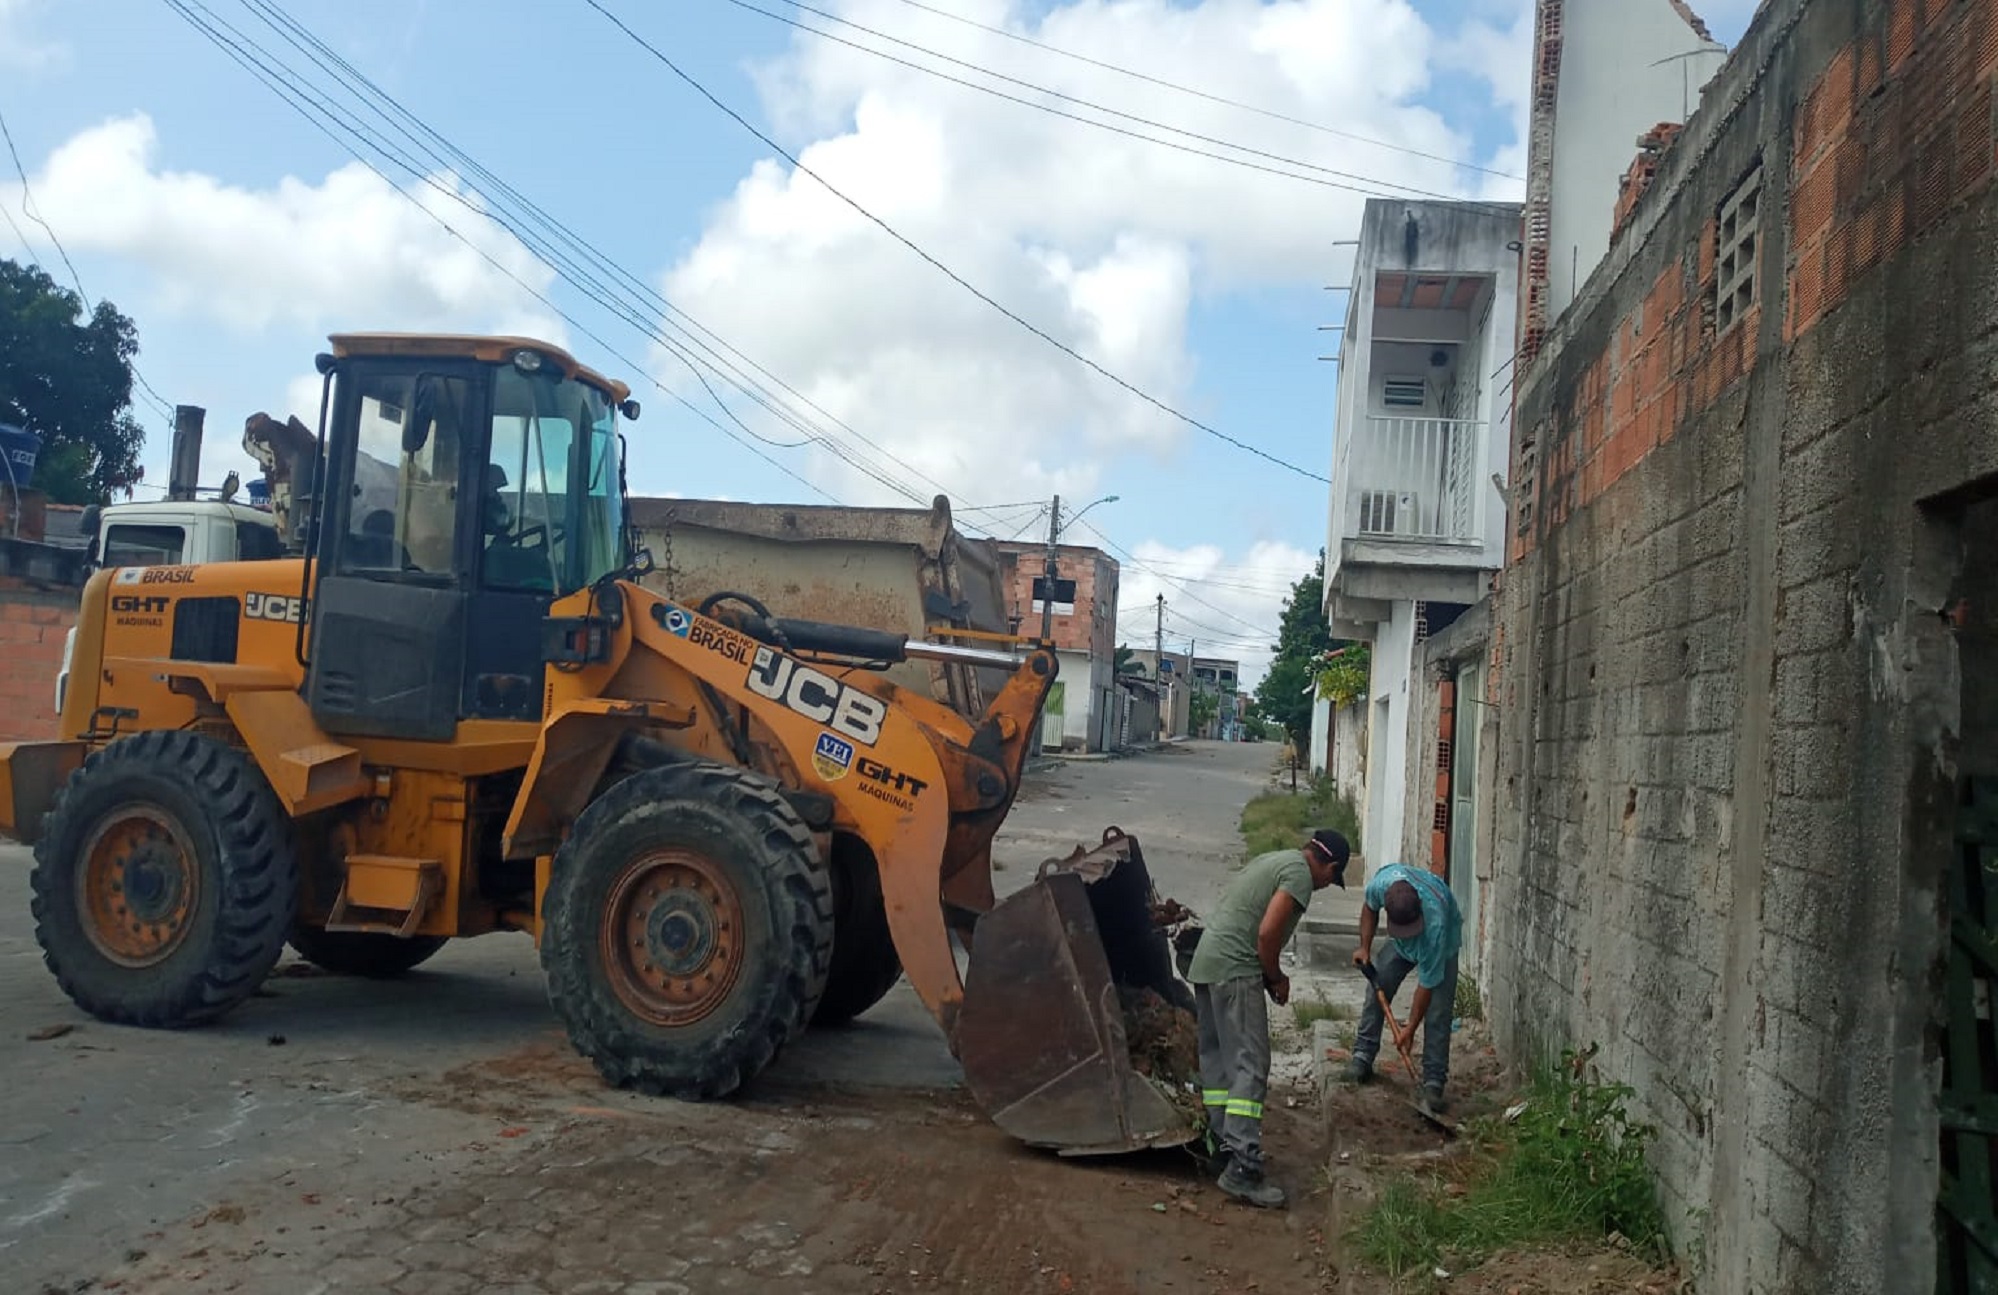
1735,250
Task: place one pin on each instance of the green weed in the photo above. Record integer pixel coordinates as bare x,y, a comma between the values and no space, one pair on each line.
1320,1008
1470,1004
1279,820
1570,1168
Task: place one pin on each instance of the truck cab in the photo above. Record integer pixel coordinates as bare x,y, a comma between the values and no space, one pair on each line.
171,533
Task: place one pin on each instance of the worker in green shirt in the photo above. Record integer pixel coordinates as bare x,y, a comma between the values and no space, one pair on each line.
1233,967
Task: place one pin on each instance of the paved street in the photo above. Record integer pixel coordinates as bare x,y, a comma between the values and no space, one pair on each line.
437,1135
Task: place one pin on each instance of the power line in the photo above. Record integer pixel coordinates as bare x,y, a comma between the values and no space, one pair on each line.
33,213
280,87
1181,585
1024,525
606,293
938,265
1202,94
314,106
709,350
1081,102
698,347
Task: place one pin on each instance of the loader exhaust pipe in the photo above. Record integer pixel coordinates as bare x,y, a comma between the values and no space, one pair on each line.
184,467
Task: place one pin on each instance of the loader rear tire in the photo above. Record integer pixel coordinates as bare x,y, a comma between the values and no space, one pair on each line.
165,881
363,953
687,930
864,964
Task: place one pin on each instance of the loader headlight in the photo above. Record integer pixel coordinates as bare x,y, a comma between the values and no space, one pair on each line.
527,361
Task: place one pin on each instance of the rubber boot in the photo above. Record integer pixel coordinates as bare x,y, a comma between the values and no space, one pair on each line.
1359,1071
1251,1188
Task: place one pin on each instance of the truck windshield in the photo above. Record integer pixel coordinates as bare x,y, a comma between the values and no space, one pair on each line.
554,513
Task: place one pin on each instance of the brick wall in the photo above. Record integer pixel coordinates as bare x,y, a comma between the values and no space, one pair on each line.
1732,719
33,624
1093,626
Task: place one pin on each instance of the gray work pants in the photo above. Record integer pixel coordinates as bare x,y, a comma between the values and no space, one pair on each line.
1235,1065
1391,970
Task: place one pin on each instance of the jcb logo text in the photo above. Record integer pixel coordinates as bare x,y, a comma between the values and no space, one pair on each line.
817,696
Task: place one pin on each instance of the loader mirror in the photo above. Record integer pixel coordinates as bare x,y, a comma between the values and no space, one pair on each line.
630,410
422,412
86,524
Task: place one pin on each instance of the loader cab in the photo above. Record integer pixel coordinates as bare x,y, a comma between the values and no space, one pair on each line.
467,484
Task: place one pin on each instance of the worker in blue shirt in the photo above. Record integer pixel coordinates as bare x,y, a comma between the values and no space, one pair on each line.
1425,928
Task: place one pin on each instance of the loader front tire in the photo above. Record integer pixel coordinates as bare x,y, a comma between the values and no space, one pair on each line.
864,963
363,953
164,882
687,930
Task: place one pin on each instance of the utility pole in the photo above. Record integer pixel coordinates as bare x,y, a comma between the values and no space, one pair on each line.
1192,688
1050,567
1158,672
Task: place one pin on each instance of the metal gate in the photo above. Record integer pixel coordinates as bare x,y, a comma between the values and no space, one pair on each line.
1966,1220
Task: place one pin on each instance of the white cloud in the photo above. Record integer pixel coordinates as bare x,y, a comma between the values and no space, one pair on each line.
1229,607
1502,58
350,252
20,48
1105,242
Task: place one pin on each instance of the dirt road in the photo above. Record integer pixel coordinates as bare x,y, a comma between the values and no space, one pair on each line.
436,1135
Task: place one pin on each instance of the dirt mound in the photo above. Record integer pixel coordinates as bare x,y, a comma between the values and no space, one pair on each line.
1164,1046
1164,1040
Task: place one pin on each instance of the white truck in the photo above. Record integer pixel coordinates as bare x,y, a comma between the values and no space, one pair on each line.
172,533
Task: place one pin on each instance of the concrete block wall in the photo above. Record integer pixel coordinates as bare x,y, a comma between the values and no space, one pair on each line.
33,624
1732,718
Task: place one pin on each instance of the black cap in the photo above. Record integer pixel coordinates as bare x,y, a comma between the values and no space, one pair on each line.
1337,847
1333,844
1404,911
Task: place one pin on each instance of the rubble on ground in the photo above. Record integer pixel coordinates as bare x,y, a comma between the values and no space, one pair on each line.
1164,1040
1164,1046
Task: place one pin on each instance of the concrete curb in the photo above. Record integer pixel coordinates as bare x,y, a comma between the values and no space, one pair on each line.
1328,1060
1327,943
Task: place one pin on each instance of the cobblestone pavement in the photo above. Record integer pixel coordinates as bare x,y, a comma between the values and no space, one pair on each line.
437,1135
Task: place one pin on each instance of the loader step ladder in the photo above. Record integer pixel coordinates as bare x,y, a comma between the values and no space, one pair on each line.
386,893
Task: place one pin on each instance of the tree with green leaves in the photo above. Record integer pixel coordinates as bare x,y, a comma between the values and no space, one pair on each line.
1201,708
1126,661
66,375
1284,697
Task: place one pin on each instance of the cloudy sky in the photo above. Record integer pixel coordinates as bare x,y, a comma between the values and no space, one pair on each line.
554,175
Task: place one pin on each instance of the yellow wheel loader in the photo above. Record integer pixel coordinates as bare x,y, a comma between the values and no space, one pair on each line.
455,710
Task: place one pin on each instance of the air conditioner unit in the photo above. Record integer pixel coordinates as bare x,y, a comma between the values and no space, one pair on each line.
1390,512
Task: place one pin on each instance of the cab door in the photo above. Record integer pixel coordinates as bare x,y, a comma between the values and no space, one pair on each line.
387,656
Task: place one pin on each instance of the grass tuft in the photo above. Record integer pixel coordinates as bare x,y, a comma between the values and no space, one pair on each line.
1279,820
1320,1008
1571,1168
1470,1004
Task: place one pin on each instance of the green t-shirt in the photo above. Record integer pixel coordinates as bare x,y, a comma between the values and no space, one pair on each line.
1228,945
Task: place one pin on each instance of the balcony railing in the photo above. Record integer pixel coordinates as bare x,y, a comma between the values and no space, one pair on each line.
1413,479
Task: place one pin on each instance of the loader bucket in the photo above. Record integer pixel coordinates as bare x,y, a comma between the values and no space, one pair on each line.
1043,1036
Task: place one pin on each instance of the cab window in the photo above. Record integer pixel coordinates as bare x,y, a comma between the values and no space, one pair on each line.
552,513
402,516
256,543
128,544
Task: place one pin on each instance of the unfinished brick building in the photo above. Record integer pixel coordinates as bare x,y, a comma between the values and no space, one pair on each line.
1748,666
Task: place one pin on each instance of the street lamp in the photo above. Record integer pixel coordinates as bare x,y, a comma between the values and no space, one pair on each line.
1049,568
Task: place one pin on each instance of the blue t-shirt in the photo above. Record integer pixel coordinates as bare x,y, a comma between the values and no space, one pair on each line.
1442,923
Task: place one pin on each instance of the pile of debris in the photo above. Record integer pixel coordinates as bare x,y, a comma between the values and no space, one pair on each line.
1164,1039
1164,1045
